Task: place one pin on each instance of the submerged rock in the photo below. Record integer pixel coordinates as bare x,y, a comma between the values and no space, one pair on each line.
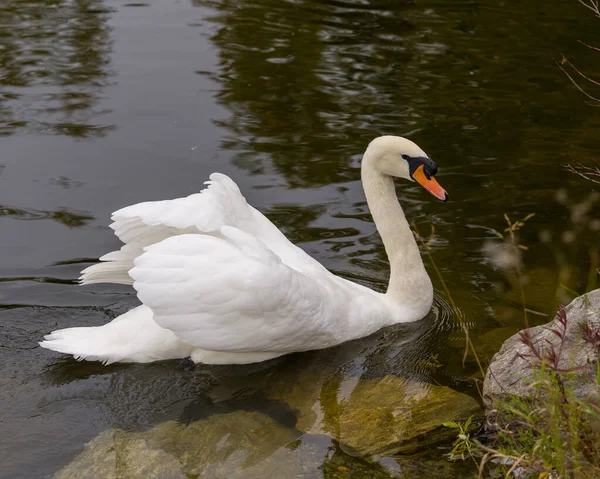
115,454
539,284
376,417
391,415
234,444
242,444
378,403
510,372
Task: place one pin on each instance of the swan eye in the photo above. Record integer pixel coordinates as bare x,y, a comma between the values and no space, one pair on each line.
405,157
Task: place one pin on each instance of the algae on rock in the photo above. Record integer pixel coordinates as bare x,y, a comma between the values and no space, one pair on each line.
379,416
222,445
391,415
175,451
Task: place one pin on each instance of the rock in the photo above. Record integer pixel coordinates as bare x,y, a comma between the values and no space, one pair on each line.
510,374
378,416
240,444
115,454
367,411
234,444
375,416
391,415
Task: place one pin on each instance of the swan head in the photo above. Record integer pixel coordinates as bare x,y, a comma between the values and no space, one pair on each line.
401,158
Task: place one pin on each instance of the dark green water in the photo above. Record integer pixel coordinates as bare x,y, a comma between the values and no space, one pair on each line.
105,104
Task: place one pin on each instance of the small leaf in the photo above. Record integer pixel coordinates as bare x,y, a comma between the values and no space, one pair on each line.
451,424
468,423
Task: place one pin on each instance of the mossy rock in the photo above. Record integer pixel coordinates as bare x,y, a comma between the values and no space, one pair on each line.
245,444
115,454
235,444
380,416
372,416
391,415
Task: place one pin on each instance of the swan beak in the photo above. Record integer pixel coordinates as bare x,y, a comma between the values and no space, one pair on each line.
429,183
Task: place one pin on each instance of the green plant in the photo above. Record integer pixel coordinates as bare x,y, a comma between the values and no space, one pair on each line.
463,446
553,432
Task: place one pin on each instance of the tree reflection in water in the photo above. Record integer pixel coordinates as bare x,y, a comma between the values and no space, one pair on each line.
309,80
54,64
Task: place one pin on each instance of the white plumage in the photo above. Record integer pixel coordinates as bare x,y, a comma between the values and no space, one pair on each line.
221,284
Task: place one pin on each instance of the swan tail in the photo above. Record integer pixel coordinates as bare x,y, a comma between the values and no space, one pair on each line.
110,271
133,337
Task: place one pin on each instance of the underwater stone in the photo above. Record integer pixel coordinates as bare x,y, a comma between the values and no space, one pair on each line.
391,415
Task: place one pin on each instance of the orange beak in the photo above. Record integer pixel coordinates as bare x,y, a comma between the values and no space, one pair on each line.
430,184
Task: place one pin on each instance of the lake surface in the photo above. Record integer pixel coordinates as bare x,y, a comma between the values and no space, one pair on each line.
107,103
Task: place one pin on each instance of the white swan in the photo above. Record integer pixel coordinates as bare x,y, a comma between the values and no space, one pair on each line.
221,284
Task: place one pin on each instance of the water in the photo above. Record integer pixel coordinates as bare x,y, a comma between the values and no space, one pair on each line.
107,103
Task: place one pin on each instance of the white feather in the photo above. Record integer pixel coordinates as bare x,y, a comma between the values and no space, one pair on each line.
221,204
132,337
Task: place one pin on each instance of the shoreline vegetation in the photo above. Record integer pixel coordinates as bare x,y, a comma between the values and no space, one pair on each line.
542,398
542,389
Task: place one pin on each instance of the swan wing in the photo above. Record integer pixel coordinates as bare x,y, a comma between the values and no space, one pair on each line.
232,293
221,204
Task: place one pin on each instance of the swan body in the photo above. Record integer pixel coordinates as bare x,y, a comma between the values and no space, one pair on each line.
221,284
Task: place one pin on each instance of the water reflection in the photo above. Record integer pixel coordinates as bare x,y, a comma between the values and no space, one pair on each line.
69,218
54,64
318,80
309,83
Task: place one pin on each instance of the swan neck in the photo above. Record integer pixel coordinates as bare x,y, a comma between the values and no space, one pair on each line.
409,283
